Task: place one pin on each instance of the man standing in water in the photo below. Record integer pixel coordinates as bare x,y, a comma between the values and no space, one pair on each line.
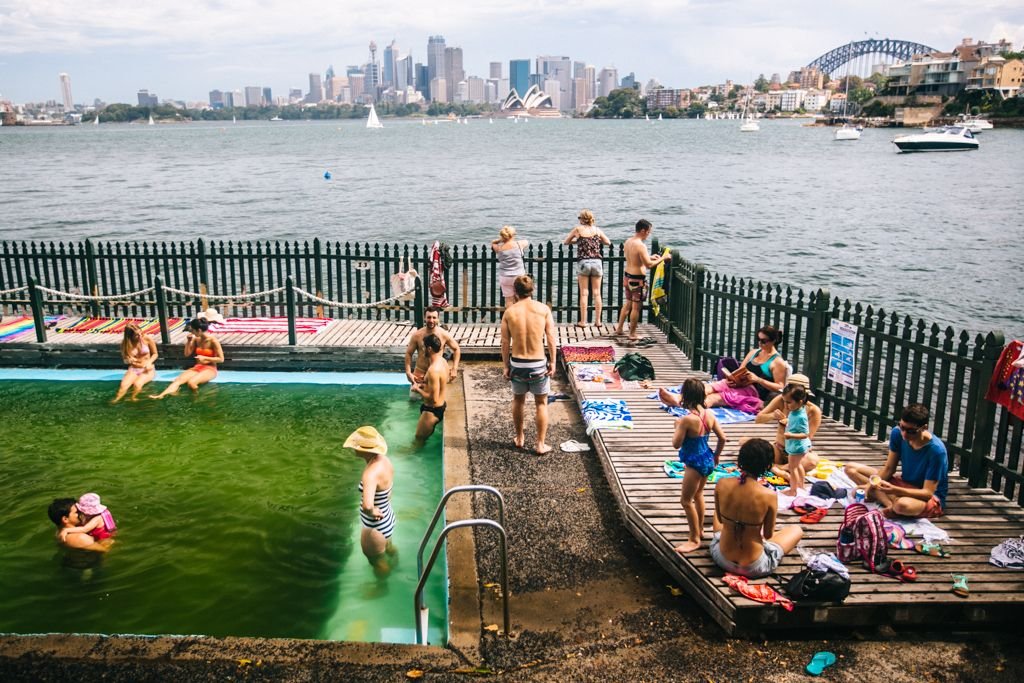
524,327
634,279
63,512
430,326
433,388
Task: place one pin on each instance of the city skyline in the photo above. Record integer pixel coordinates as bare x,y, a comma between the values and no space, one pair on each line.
114,51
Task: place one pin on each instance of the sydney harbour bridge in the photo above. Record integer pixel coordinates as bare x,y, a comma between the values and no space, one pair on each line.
862,57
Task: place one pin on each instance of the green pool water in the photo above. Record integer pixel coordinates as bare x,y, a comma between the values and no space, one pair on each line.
237,510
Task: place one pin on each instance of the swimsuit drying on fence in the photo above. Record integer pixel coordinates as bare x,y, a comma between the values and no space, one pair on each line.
382,501
206,353
695,452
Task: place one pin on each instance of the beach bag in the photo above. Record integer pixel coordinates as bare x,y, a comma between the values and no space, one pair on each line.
862,537
403,283
816,585
634,366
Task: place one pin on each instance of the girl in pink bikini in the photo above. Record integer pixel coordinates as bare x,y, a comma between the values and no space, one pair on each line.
208,354
138,350
100,523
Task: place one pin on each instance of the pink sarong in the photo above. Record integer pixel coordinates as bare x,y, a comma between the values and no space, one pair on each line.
740,398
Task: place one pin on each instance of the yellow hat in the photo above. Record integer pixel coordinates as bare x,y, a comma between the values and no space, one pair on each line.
367,440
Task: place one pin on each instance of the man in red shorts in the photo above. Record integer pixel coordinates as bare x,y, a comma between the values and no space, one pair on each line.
634,279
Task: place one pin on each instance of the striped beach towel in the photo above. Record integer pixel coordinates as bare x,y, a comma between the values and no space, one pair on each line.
253,325
724,415
149,326
606,414
12,326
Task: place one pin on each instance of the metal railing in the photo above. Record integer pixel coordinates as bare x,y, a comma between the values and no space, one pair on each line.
421,614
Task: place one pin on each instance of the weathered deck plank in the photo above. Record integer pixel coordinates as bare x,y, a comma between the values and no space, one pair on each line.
976,519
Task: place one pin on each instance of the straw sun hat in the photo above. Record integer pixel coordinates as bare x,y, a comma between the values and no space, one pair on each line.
367,440
801,380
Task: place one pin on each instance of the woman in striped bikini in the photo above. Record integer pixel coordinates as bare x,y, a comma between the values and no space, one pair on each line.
375,511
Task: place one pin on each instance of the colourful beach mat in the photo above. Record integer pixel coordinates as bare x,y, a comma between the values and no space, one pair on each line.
588,354
149,326
16,325
253,325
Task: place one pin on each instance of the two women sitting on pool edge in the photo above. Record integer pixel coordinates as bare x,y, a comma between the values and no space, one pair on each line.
375,511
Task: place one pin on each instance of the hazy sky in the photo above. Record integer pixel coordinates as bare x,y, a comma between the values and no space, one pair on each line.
185,48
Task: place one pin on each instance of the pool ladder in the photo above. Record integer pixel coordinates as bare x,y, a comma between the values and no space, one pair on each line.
421,611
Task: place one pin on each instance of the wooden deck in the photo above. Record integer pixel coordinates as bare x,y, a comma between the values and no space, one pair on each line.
976,519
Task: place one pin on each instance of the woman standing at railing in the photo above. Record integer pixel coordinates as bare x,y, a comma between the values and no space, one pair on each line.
510,261
590,241
138,350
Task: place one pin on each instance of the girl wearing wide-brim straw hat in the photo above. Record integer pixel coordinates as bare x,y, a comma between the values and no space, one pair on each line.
375,511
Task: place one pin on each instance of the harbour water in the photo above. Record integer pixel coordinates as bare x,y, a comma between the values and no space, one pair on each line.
936,236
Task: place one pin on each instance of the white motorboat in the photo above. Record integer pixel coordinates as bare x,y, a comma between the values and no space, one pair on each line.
975,124
372,121
945,139
277,118
749,126
847,132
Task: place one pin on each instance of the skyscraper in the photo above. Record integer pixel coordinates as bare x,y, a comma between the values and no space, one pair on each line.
253,93
268,97
390,75
422,74
372,72
519,75
453,71
316,89
609,80
495,69
558,69
435,62
65,91
216,99
403,73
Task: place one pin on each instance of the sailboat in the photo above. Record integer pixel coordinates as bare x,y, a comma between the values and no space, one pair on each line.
151,119
234,120
372,121
847,132
749,123
490,121
659,117
96,121
647,118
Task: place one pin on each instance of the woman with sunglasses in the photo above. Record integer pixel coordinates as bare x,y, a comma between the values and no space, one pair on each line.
138,350
920,489
762,376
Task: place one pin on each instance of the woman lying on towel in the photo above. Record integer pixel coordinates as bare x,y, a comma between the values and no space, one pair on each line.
208,353
745,540
748,384
138,350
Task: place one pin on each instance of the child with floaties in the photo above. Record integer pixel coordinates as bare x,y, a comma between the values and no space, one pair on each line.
100,524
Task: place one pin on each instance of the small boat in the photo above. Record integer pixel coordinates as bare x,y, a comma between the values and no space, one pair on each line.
96,121
490,121
647,118
945,139
372,121
277,118
659,117
151,119
234,120
847,132
423,122
975,124
749,126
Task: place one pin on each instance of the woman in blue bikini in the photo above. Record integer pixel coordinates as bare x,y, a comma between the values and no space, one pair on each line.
691,438
375,511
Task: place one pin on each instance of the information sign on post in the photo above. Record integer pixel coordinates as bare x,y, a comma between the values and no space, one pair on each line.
842,353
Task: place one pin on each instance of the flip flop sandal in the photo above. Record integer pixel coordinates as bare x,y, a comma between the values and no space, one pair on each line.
803,509
814,517
960,588
574,446
819,662
645,342
903,572
929,548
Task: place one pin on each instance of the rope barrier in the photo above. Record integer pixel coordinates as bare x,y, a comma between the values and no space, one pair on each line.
340,304
87,297
5,292
224,297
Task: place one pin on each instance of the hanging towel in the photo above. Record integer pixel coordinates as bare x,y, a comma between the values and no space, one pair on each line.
1007,385
658,293
606,414
438,288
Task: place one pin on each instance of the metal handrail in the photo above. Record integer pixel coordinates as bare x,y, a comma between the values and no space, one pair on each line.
420,611
418,607
440,508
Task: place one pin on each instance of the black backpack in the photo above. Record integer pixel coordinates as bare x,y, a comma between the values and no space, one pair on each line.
813,585
634,366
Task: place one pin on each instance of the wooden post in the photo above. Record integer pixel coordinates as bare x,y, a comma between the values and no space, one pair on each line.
289,295
417,304
92,284
161,309
203,276
318,275
817,330
984,411
35,300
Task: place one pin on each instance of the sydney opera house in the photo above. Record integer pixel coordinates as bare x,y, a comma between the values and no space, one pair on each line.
534,103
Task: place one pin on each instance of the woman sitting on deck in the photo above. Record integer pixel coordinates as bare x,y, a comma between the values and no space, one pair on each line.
138,350
745,540
509,251
208,353
746,386
590,240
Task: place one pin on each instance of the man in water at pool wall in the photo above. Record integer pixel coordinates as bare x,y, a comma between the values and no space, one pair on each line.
63,512
433,389
431,325
375,512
